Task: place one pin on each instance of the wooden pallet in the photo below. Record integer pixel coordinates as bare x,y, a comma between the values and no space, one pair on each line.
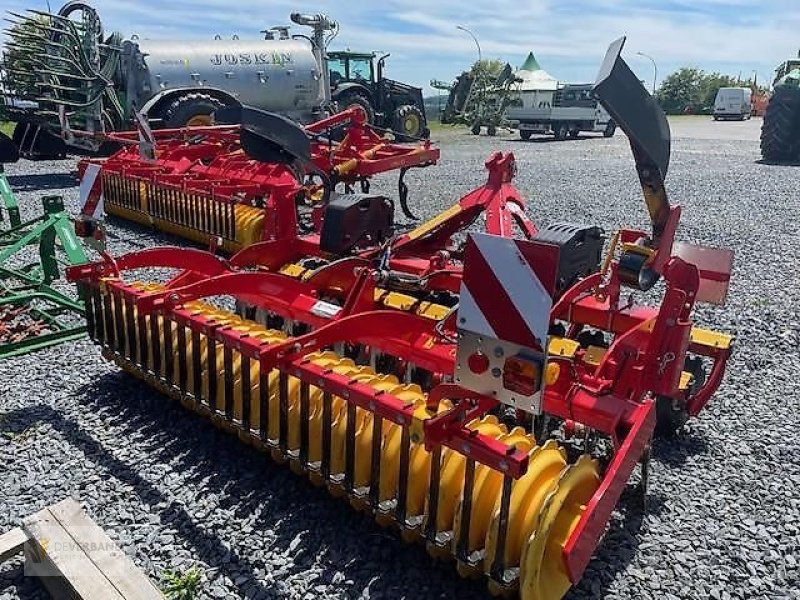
74,558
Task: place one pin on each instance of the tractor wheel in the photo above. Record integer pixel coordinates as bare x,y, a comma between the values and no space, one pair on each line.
780,132
408,123
491,131
191,110
671,414
525,134
561,131
476,128
355,98
610,130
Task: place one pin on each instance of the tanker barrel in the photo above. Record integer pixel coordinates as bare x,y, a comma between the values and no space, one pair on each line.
638,114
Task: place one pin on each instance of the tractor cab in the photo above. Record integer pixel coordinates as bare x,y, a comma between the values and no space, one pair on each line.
788,69
356,67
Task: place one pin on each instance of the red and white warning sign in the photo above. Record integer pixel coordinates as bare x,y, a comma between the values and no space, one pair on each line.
91,193
503,320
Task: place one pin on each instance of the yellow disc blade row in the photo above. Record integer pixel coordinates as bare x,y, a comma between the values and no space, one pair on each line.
545,503
191,215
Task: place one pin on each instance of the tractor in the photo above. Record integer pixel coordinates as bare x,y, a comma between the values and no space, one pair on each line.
780,132
357,79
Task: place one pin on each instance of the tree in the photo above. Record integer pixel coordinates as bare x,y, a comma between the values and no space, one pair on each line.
680,90
693,90
488,69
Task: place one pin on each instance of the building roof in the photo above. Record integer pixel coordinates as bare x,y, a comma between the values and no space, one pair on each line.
530,64
534,77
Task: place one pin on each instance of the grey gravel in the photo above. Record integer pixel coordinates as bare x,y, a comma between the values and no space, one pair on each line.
724,518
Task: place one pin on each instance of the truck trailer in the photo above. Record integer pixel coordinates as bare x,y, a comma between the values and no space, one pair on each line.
563,112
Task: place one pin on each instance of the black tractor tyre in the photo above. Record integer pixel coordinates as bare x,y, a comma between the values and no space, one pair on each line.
671,414
355,98
561,131
610,130
525,134
780,131
408,123
476,128
191,110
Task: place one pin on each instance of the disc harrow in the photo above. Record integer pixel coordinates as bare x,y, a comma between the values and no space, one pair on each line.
202,185
490,400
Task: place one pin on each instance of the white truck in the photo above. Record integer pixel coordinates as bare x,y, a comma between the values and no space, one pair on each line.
563,112
733,103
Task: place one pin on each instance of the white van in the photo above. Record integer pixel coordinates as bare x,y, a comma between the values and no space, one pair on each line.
733,103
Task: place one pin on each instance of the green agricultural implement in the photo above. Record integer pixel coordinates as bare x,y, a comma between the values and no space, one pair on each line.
33,314
780,132
477,99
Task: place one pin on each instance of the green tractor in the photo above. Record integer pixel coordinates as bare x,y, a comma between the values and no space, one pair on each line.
780,132
356,79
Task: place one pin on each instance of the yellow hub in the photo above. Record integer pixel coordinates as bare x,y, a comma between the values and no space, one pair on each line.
545,503
199,121
411,124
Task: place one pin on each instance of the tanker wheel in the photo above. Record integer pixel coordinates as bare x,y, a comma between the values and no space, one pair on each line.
524,134
780,131
476,128
191,110
671,414
408,123
491,131
574,133
354,98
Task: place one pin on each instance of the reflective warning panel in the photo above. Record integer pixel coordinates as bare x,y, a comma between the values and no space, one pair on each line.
503,319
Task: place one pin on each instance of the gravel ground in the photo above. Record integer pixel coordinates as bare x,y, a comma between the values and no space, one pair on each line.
724,519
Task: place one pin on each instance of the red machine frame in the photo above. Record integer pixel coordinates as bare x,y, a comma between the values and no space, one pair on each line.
614,397
206,167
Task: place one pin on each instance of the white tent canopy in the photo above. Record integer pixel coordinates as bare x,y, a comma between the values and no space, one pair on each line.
534,78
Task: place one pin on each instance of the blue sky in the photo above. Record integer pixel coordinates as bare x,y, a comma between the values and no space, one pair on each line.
569,37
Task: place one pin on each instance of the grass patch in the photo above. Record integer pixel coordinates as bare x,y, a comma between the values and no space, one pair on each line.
7,128
182,586
436,126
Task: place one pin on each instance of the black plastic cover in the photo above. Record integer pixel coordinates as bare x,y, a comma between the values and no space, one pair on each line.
633,109
356,221
267,137
581,251
638,114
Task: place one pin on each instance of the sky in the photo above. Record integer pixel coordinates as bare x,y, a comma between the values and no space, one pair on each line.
568,37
